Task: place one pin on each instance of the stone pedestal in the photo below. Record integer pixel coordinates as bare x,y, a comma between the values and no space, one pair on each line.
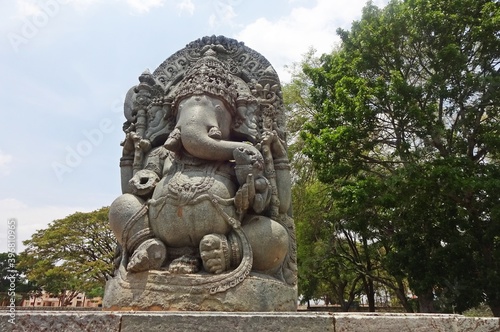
210,321
152,291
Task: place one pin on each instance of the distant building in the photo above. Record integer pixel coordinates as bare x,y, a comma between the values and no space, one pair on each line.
47,300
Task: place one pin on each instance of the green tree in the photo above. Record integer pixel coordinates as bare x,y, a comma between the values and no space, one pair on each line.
335,264
317,280
9,273
72,255
406,129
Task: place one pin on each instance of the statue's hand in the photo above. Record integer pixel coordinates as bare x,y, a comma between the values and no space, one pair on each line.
133,142
143,182
262,194
129,143
272,140
254,193
144,145
245,195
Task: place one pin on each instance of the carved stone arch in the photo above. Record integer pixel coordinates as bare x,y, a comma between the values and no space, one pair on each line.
243,61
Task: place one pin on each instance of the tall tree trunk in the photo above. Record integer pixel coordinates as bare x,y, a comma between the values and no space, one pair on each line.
367,281
426,302
371,298
370,293
345,304
401,295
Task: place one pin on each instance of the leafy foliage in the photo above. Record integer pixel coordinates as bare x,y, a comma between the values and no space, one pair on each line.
333,264
406,134
72,255
10,274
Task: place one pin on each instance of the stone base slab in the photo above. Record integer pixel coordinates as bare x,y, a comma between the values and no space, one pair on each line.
219,321
150,291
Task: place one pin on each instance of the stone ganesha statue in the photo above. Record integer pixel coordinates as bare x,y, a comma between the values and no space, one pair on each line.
206,183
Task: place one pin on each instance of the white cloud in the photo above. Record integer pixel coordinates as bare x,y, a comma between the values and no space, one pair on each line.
143,6
285,40
186,6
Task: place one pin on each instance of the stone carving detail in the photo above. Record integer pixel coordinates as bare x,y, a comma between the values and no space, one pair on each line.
206,181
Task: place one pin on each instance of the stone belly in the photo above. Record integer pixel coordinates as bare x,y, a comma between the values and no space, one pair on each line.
182,212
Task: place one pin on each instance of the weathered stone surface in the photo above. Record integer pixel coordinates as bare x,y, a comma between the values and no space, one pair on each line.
368,322
221,321
260,293
206,186
209,322
61,321
394,322
478,324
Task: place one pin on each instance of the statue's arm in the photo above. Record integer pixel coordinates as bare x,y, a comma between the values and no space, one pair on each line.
127,159
144,181
273,145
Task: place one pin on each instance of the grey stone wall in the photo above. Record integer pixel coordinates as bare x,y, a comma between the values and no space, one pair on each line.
212,321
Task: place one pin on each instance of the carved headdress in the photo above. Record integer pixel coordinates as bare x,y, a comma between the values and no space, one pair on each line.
217,66
208,76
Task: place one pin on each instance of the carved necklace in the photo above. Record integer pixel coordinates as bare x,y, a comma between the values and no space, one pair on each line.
184,188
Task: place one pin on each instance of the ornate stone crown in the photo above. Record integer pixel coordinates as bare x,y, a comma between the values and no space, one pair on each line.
208,76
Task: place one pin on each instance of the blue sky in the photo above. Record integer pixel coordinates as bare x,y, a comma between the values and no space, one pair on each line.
66,65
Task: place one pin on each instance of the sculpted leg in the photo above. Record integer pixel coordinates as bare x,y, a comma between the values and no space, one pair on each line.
269,241
214,252
129,221
150,255
220,253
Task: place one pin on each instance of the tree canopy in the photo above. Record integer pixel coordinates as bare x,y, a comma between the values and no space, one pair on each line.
71,255
406,134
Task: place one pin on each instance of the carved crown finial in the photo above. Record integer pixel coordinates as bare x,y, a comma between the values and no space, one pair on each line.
210,52
147,77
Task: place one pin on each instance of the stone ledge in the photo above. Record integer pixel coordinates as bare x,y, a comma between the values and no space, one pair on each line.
399,322
122,321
